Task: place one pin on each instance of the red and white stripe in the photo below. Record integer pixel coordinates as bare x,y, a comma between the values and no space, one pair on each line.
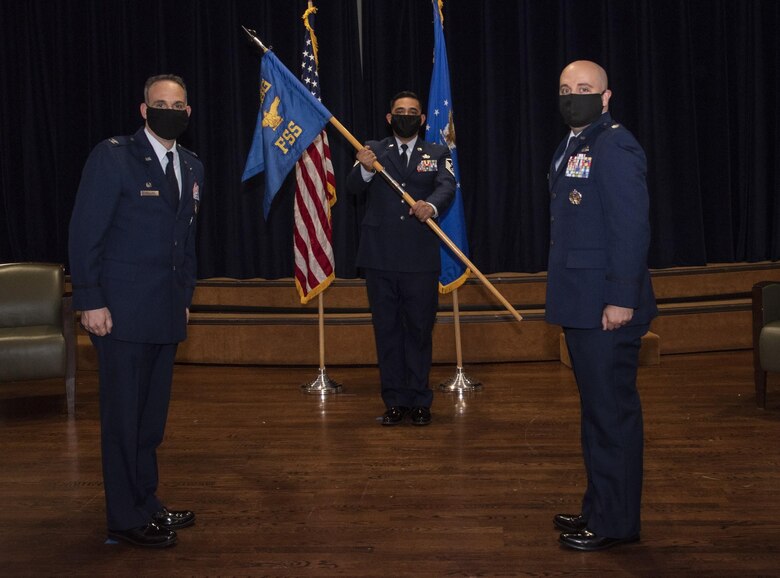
315,193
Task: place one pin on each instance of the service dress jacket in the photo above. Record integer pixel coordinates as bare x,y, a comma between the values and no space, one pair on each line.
130,250
390,238
599,228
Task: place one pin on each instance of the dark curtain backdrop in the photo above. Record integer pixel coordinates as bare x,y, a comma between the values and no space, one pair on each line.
695,80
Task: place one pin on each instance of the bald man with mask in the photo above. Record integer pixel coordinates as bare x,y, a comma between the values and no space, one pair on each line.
599,292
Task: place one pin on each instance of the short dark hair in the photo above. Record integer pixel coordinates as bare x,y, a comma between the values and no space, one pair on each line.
159,78
405,94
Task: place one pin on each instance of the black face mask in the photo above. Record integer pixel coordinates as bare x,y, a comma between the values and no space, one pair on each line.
167,123
580,109
406,125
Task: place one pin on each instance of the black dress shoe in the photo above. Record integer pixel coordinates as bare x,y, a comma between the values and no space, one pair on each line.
394,415
421,416
589,542
174,520
570,522
149,536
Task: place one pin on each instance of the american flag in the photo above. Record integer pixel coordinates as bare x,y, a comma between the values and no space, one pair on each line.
315,191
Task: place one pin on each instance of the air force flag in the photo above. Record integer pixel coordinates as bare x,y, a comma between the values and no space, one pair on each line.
441,129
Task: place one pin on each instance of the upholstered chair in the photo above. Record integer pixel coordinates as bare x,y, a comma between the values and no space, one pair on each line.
37,333
766,335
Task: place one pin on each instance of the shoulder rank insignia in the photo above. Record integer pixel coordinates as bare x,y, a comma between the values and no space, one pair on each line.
616,125
186,150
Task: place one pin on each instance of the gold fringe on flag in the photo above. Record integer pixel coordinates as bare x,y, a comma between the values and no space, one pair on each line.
311,10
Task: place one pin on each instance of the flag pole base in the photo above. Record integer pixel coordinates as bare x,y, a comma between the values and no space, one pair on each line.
460,382
321,385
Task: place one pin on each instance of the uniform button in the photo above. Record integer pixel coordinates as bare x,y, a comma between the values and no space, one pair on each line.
402,217
554,195
174,267
552,242
175,243
552,219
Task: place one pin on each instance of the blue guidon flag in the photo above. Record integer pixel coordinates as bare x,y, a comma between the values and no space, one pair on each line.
441,129
290,118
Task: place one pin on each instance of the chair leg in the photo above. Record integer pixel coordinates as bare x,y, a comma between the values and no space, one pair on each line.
69,332
760,378
70,394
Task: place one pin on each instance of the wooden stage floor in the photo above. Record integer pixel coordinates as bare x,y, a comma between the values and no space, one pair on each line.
286,484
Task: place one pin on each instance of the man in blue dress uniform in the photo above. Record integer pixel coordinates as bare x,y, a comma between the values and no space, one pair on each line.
399,254
132,262
599,291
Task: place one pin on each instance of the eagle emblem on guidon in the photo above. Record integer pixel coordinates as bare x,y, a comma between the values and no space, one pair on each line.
448,133
271,116
448,136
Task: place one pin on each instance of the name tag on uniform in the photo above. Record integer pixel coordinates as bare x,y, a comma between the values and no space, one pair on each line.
428,166
150,193
578,166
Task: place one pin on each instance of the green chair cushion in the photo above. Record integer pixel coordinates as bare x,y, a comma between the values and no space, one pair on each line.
36,352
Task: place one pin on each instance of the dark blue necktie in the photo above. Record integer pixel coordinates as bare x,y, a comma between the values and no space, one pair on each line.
404,157
173,184
570,146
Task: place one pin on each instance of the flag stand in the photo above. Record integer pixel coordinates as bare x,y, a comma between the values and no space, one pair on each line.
322,384
460,381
